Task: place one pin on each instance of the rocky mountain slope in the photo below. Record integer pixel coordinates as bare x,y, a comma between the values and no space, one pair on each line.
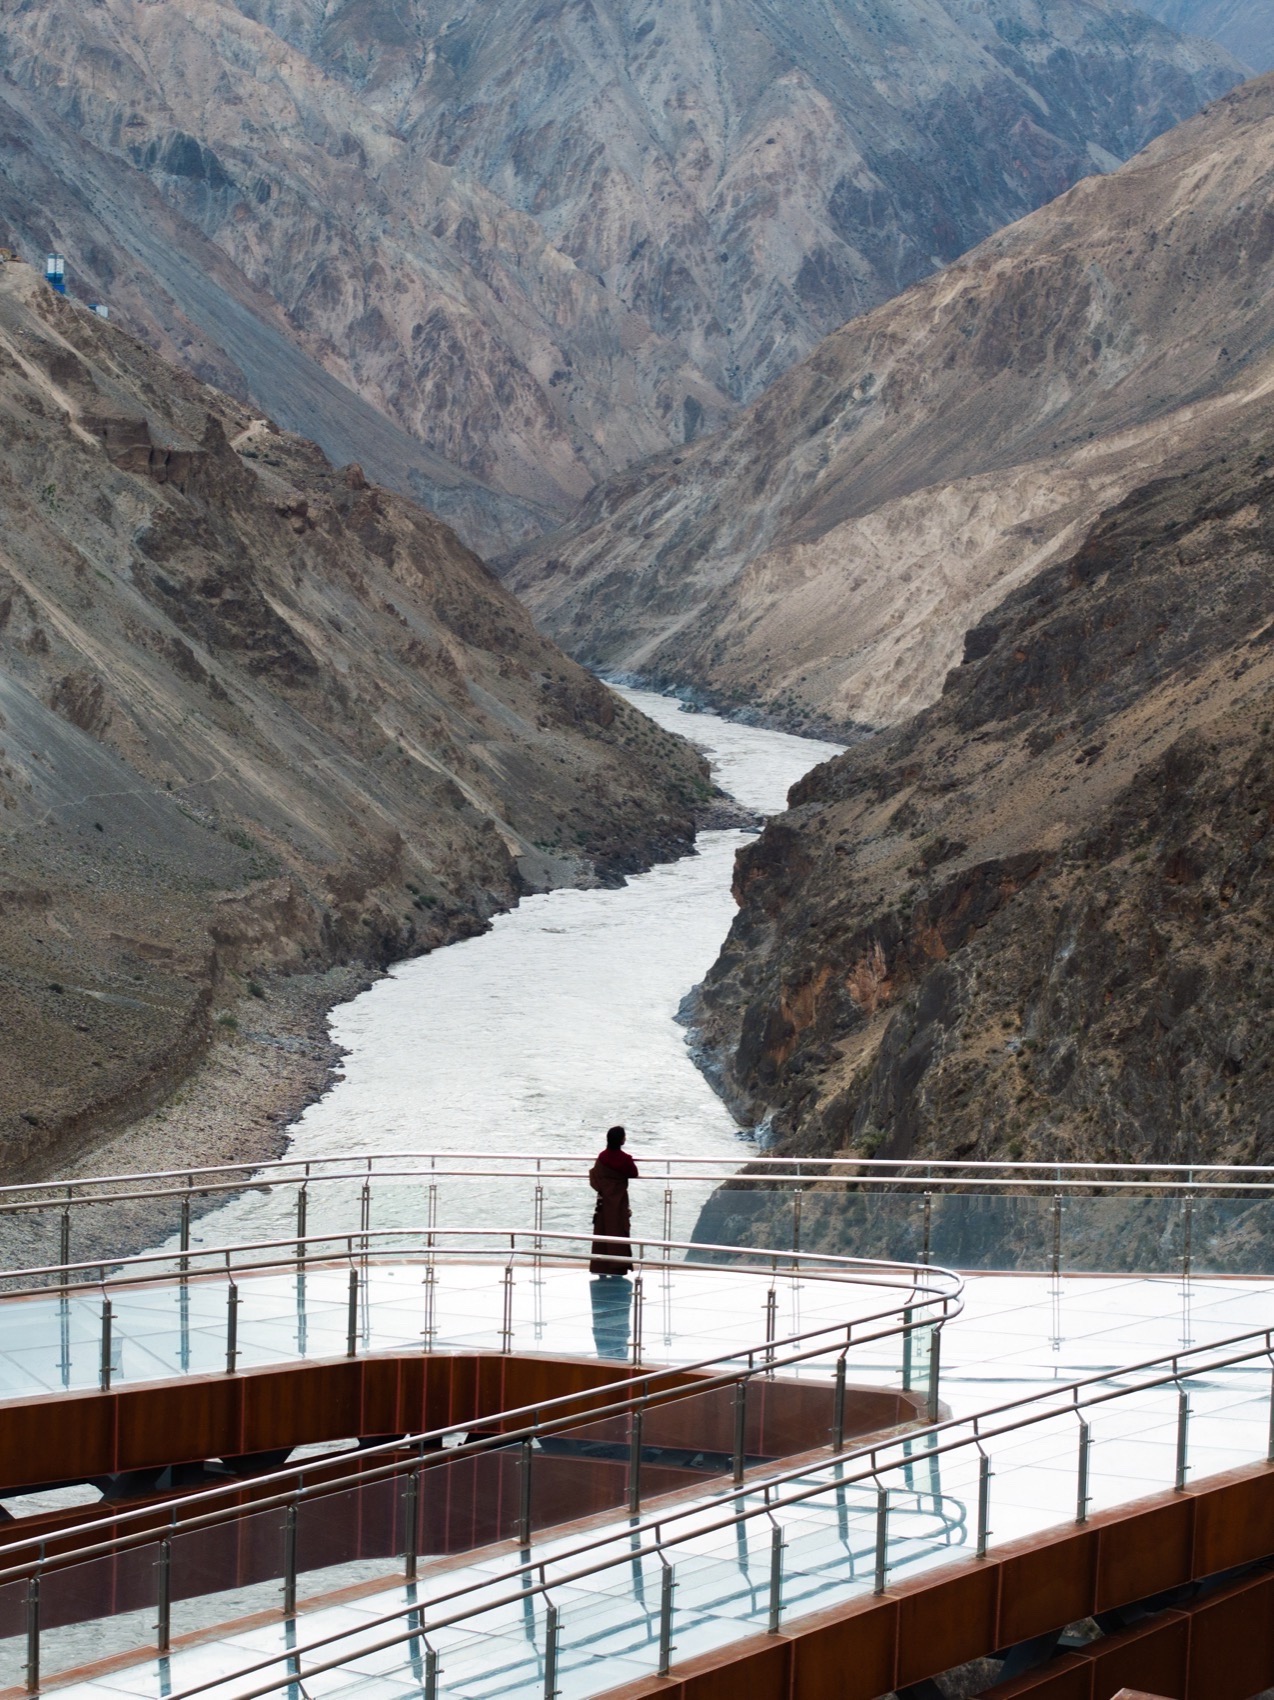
255,715
1034,920
1244,28
822,556
543,242
748,174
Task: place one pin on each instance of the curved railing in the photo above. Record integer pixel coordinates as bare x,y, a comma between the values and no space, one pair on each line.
1046,1217
874,1518
896,1308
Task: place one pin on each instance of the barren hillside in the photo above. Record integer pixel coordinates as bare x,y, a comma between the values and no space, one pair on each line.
500,251
1034,921
822,556
255,714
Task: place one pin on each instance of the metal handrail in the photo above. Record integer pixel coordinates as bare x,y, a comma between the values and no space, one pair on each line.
901,1173
1063,1400
932,1296
864,1271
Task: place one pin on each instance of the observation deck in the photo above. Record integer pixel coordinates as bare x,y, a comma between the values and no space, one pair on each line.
332,1438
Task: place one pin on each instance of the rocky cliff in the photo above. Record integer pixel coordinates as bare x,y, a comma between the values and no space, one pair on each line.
1244,28
508,249
256,715
822,556
1034,920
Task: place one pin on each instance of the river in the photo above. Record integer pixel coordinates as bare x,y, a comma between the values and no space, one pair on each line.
540,1033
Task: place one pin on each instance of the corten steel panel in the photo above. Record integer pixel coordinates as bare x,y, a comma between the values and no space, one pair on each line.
1232,1642
848,1657
718,1677
1067,1678
410,1414
1154,1657
1233,1521
1046,1587
317,1401
180,1422
946,1623
462,1402
1145,1555
378,1396
44,1440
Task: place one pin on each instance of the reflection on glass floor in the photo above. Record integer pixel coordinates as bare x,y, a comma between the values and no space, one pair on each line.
621,1619
608,1625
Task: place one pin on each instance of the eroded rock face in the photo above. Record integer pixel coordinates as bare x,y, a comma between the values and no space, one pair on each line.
1033,921
822,556
748,176
500,250
255,714
1243,27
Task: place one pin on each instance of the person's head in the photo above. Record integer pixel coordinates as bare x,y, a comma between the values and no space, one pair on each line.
615,1137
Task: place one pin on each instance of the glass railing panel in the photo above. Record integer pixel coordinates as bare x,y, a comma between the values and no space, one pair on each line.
99,1609
1121,1234
13,1634
349,1537
1231,1236
228,1571
845,1222
991,1231
470,1501
760,1217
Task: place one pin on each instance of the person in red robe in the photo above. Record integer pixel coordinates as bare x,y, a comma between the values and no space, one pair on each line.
612,1218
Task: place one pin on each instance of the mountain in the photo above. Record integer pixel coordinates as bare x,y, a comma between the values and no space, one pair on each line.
821,557
747,174
1244,28
542,242
1033,920
256,714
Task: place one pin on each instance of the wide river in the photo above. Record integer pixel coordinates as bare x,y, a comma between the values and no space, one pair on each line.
539,1034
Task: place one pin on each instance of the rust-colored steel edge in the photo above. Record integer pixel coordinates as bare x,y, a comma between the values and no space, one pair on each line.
281,1406
936,1622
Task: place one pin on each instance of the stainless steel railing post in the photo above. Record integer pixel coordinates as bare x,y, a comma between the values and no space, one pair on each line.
183,1263
740,1429
33,1634
351,1331
882,1538
552,1629
838,1403
776,1575
908,1348
928,1227
302,1219
638,1319
1183,1438
431,1322
164,1613
104,1373
411,1524
935,1371
506,1325
232,1323
64,1238
431,1672
634,1461
525,1459
289,1560
771,1322
668,1584
1082,1495
984,1502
